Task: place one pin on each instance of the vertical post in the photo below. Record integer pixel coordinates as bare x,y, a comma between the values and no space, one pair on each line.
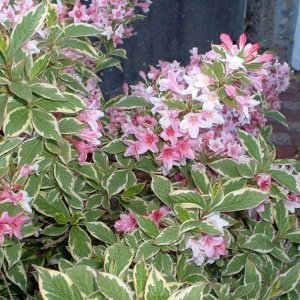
296,48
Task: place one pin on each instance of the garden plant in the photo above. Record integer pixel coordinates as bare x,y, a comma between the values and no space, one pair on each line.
171,190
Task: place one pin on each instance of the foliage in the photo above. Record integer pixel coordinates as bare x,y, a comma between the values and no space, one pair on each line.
144,204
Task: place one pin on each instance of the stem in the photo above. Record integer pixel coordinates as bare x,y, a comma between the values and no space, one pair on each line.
7,286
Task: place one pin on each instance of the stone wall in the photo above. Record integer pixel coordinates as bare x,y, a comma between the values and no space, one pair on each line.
272,23
170,29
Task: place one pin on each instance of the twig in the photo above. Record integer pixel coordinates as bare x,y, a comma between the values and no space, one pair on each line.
55,242
6,284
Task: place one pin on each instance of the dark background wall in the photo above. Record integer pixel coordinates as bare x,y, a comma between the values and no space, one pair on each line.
170,30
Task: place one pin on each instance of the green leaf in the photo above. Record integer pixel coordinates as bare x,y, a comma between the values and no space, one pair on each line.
168,236
236,264
117,259
48,91
147,226
241,199
3,104
25,29
162,187
242,291
140,275
12,253
190,293
251,145
81,46
40,65
252,275
293,236
17,275
156,287
188,199
200,225
116,182
29,151
201,180
146,250
114,147
45,124
50,208
281,215
55,285
84,277
278,116
55,230
284,283
132,102
16,121
218,69
73,104
70,125
226,167
112,287
22,90
64,178
81,30
260,243
101,232
286,179
79,243
9,144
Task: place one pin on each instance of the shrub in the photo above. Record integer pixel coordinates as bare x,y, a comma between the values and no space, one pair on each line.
175,194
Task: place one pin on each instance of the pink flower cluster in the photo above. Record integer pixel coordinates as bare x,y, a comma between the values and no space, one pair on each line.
109,15
128,222
264,182
11,225
193,112
19,198
207,248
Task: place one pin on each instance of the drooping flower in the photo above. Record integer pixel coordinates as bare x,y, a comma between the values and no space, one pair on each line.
156,215
29,169
263,181
11,225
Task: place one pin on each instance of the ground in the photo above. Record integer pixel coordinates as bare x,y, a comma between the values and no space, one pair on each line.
288,140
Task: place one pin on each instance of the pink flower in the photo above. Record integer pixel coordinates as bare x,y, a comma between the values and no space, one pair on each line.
263,181
83,150
168,155
133,149
293,202
171,133
171,83
147,141
91,117
207,247
28,169
12,225
156,215
186,148
79,13
127,223
230,90
191,123
90,136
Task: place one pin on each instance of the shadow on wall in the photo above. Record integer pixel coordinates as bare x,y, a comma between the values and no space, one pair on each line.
170,30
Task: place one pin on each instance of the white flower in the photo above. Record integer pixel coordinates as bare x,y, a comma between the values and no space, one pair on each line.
235,62
215,220
25,202
210,101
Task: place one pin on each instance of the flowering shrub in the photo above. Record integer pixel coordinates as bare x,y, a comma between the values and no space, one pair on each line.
171,191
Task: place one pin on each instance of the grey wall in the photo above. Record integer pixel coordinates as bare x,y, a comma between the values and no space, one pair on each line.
273,23
170,29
